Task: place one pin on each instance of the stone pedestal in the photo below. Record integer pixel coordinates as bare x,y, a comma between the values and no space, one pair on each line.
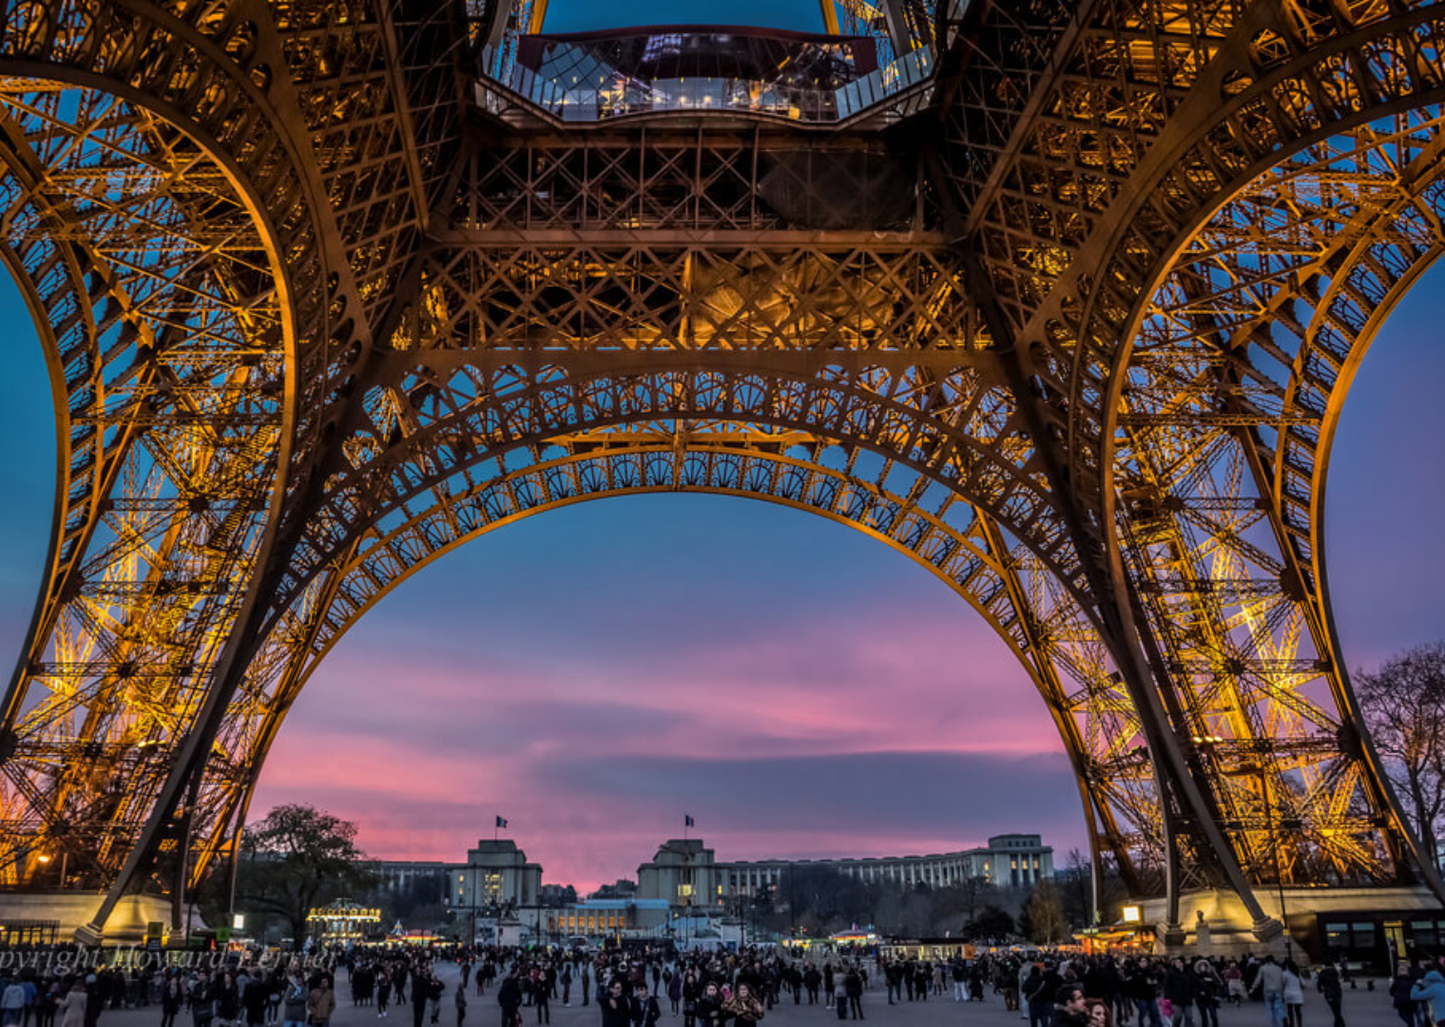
1216,923
73,910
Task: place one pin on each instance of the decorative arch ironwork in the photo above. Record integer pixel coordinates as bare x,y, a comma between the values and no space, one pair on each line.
1046,293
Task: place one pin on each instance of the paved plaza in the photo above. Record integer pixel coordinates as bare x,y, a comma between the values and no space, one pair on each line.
1362,1008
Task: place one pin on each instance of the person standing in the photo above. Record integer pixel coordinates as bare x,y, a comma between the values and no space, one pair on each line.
1036,998
12,1003
616,1006
645,1010
709,1007
509,997
1208,985
254,999
541,999
1180,990
853,991
1071,1009
293,1001
170,1000
321,1003
203,1001
743,1008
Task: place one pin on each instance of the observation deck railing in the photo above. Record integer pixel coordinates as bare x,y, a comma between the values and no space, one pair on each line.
623,96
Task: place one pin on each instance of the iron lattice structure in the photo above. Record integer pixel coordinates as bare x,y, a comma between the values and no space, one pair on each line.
1068,317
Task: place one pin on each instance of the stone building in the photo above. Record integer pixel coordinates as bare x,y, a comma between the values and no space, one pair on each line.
685,872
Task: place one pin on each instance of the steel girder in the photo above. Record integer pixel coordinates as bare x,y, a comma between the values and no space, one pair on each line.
1076,336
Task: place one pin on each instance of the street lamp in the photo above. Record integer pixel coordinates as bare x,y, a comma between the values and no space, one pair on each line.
1259,771
64,862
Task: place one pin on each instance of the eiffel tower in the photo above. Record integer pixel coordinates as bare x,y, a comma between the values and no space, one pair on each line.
1060,298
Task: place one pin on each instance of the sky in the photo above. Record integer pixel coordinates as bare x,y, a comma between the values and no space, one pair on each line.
595,673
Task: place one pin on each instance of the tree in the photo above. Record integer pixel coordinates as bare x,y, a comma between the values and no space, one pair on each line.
1076,885
299,858
1404,707
1046,914
992,924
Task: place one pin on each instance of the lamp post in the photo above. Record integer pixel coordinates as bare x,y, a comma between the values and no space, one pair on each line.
1258,770
64,864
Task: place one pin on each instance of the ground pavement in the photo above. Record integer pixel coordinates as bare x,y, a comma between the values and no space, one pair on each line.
1361,1009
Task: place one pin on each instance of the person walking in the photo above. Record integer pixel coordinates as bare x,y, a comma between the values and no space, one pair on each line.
1332,990
1270,984
72,1006
1294,995
383,992
1400,994
1431,989
461,1003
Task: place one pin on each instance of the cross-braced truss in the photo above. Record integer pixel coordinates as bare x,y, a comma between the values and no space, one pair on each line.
1070,324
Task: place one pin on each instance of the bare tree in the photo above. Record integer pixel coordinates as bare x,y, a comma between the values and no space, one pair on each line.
1046,914
1404,707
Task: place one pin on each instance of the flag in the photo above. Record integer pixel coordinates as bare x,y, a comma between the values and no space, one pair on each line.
501,822
687,820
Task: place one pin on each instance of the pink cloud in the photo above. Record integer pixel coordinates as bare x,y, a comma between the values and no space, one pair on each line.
422,753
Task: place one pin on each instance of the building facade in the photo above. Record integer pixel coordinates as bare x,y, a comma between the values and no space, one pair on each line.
496,875
429,880
686,873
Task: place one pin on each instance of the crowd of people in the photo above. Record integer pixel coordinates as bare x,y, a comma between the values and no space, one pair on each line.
639,987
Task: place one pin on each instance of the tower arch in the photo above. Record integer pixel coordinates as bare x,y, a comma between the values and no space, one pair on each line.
1045,629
